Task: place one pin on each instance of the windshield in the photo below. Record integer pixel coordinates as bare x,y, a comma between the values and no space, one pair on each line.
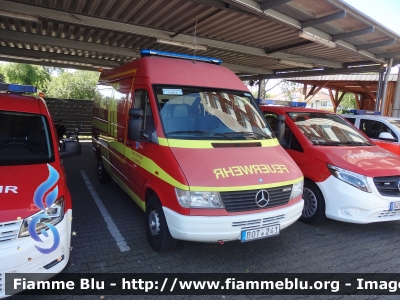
201,113
327,129
24,139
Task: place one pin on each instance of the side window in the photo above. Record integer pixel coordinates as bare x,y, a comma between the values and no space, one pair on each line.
374,128
142,101
351,120
291,140
109,105
272,120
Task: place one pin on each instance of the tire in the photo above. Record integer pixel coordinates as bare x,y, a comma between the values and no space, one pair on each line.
157,231
102,174
314,203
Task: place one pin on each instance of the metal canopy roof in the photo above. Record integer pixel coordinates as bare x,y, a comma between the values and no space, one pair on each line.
251,37
350,83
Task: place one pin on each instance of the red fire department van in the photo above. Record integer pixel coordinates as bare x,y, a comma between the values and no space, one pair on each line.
185,139
346,176
35,204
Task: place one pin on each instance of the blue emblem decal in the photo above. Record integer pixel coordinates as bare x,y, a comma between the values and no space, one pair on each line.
44,187
137,144
38,201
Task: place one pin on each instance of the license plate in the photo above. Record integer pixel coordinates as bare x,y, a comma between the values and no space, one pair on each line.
395,205
259,233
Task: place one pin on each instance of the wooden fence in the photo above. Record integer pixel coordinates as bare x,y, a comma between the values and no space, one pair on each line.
72,112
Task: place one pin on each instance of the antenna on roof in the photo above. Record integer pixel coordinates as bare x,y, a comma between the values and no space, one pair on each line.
194,48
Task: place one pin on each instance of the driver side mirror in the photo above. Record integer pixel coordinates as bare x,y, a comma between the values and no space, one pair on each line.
135,125
386,136
70,149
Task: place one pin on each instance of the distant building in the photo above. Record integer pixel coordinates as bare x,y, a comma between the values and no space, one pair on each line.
321,100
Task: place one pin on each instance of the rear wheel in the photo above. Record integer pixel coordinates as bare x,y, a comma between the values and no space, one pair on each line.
314,203
102,174
157,230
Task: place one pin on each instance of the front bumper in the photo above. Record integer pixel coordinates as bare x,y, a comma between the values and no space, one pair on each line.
346,203
227,228
20,255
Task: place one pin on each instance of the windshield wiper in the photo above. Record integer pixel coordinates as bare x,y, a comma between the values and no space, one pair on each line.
341,144
356,144
326,144
201,132
247,133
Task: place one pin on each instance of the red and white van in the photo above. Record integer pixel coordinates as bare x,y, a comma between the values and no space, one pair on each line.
35,204
185,139
346,176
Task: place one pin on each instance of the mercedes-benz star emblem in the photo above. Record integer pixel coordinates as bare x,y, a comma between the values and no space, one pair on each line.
262,198
398,185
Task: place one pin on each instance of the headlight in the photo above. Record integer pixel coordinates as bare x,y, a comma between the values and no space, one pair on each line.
55,215
297,189
199,199
354,179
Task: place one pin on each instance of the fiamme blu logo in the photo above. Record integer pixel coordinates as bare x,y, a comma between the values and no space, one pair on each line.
47,191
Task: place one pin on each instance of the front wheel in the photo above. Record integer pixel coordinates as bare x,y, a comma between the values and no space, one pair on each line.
157,230
314,203
102,174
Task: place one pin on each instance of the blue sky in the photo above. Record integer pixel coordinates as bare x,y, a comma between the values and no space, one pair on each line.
386,12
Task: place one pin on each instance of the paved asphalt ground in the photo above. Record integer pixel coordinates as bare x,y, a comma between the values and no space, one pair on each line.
329,247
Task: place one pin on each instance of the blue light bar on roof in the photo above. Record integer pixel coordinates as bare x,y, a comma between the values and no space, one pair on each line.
147,52
364,112
298,104
17,88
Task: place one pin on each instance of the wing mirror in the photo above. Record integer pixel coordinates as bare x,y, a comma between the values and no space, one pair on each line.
386,136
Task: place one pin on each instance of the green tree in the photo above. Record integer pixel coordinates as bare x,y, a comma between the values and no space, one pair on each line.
348,102
2,76
26,74
288,89
76,85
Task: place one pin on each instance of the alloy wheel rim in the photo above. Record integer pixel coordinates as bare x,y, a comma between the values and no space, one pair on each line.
310,203
154,223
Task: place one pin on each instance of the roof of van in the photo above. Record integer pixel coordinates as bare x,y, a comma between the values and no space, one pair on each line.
176,71
21,103
295,109
370,117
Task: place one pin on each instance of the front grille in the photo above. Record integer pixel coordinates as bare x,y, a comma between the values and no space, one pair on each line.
246,200
388,186
9,230
386,213
258,222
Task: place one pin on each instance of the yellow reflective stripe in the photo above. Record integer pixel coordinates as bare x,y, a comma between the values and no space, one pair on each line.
150,166
244,187
120,74
117,146
198,144
163,142
100,124
112,117
135,197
